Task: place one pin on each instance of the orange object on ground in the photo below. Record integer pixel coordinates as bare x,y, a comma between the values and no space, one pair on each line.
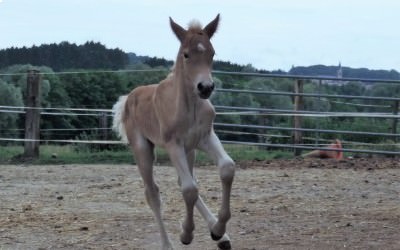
323,154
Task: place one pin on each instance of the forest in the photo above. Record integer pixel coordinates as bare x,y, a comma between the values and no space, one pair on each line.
77,76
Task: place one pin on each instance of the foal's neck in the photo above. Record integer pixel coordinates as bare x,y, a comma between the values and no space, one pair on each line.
186,102
186,98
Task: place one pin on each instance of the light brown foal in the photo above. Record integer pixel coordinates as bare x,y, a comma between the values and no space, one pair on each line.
177,115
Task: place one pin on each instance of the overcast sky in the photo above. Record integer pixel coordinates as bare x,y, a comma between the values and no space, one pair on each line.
269,34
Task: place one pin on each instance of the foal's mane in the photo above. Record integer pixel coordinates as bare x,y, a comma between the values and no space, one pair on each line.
195,26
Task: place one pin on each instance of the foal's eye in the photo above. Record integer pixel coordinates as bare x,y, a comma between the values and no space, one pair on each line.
186,55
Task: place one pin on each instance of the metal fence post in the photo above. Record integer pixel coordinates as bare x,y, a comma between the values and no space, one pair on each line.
32,116
297,120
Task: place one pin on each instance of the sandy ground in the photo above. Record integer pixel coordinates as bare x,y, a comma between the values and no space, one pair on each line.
279,204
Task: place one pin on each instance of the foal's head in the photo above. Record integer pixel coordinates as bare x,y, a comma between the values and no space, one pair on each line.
195,56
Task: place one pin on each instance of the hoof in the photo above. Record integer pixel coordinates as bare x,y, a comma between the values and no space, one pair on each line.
215,237
225,245
186,240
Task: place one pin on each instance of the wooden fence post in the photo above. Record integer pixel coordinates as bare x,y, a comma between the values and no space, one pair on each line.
297,120
104,132
32,115
395,120
317,134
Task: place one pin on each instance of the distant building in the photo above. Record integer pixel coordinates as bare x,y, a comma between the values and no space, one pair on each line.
339,72
339,75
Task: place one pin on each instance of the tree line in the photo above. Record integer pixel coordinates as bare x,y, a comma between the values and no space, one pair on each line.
65,55
94,55
347,72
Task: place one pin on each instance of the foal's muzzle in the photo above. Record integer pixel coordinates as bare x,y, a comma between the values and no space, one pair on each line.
205,90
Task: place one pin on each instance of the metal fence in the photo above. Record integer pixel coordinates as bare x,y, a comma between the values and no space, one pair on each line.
393,136
267,131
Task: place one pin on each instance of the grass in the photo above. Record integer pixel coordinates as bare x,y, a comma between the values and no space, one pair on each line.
78,154
68,154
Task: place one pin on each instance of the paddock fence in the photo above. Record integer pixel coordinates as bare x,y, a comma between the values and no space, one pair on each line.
263,131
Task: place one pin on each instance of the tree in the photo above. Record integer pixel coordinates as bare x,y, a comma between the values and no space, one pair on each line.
385,90
10,95
91,55
270,101
135,79
92,91
53,94
315,103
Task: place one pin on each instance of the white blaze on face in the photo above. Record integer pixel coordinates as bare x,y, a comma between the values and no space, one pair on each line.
205,75
201,47
203,82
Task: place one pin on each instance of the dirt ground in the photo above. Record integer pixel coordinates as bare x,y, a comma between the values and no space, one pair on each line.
277,204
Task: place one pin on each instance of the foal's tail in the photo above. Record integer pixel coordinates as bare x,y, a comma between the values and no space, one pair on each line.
118,118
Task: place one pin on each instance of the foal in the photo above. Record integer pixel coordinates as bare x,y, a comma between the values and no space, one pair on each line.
177,115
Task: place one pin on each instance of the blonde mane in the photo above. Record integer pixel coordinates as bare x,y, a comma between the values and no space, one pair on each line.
195,25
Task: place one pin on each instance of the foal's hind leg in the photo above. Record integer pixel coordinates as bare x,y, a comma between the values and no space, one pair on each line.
144,154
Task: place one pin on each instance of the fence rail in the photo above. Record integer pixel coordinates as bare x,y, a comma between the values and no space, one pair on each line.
305,77
329,131
261,92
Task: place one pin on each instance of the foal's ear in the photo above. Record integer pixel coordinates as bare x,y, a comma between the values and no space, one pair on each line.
212,27
178,30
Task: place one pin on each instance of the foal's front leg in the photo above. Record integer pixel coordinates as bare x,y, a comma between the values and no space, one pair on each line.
189,189
224,243
226,165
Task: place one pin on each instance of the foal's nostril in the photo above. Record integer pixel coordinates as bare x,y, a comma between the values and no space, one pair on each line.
200,87
205,90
